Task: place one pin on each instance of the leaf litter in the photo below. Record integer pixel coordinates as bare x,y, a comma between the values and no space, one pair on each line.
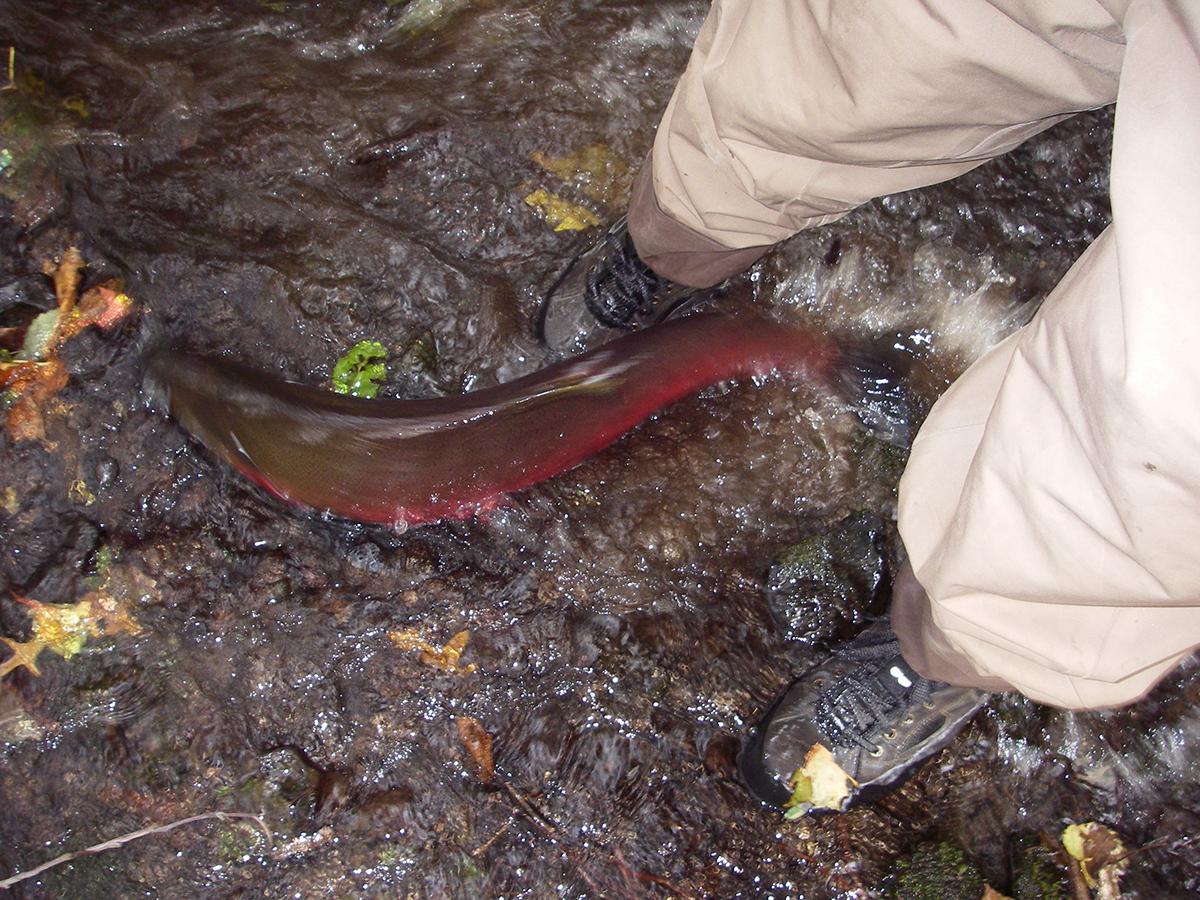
33,377
1100,856
818,784
65,628
445,658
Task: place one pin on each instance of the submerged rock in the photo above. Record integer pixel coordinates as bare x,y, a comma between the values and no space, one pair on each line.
828,580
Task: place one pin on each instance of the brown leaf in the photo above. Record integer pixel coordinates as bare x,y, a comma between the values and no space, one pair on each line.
478,744
103,306
33,387
1099,853
66,277
24,653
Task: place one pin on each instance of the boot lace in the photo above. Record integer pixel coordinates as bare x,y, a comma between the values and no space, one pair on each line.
855,706
622,286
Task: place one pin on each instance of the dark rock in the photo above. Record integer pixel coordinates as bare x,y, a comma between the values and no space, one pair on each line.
829,580
366,557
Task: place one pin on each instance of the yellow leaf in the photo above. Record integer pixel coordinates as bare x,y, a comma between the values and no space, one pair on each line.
445,658
818,784
562,214
1097,849
81,493
1072,841
64,629
595,171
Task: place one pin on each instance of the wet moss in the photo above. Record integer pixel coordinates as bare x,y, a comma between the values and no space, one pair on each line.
937,871
1036,876
828,580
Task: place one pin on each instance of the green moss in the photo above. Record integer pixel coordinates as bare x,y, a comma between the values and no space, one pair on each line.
233,843
360,371
1036,875
938,871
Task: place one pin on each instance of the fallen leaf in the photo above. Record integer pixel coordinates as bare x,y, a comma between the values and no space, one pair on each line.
1100,855
81,493
33,388
596,171
104,306
562,215
990,893
67,276
113,615
64,628
35,375
24,653
39,336
423,15
16,724
445,658
478,744
818,784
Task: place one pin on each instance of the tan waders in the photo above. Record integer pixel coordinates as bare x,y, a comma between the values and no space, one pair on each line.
1051,506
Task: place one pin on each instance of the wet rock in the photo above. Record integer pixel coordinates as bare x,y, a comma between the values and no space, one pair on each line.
108,470
383,811
33,291
334,790
366,557
45,554
720,756
289,776
829,580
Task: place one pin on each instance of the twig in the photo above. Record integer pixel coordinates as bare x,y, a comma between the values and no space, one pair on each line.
12,70
647,878
532,812
133,836
487,845
542,823
1155,844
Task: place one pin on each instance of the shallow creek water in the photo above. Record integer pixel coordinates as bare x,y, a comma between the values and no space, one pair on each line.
278,180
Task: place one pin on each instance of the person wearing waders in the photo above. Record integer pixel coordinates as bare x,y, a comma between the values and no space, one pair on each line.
1050,509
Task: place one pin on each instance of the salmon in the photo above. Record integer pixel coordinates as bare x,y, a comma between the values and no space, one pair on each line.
409,462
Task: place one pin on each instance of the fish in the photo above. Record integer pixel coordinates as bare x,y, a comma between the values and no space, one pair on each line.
404,463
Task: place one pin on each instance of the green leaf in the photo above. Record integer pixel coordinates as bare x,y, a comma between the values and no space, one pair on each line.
360,371
802,789
38,335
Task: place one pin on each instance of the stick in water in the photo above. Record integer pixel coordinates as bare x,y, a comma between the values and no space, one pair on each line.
133,836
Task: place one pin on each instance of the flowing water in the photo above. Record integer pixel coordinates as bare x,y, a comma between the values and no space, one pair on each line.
277,180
